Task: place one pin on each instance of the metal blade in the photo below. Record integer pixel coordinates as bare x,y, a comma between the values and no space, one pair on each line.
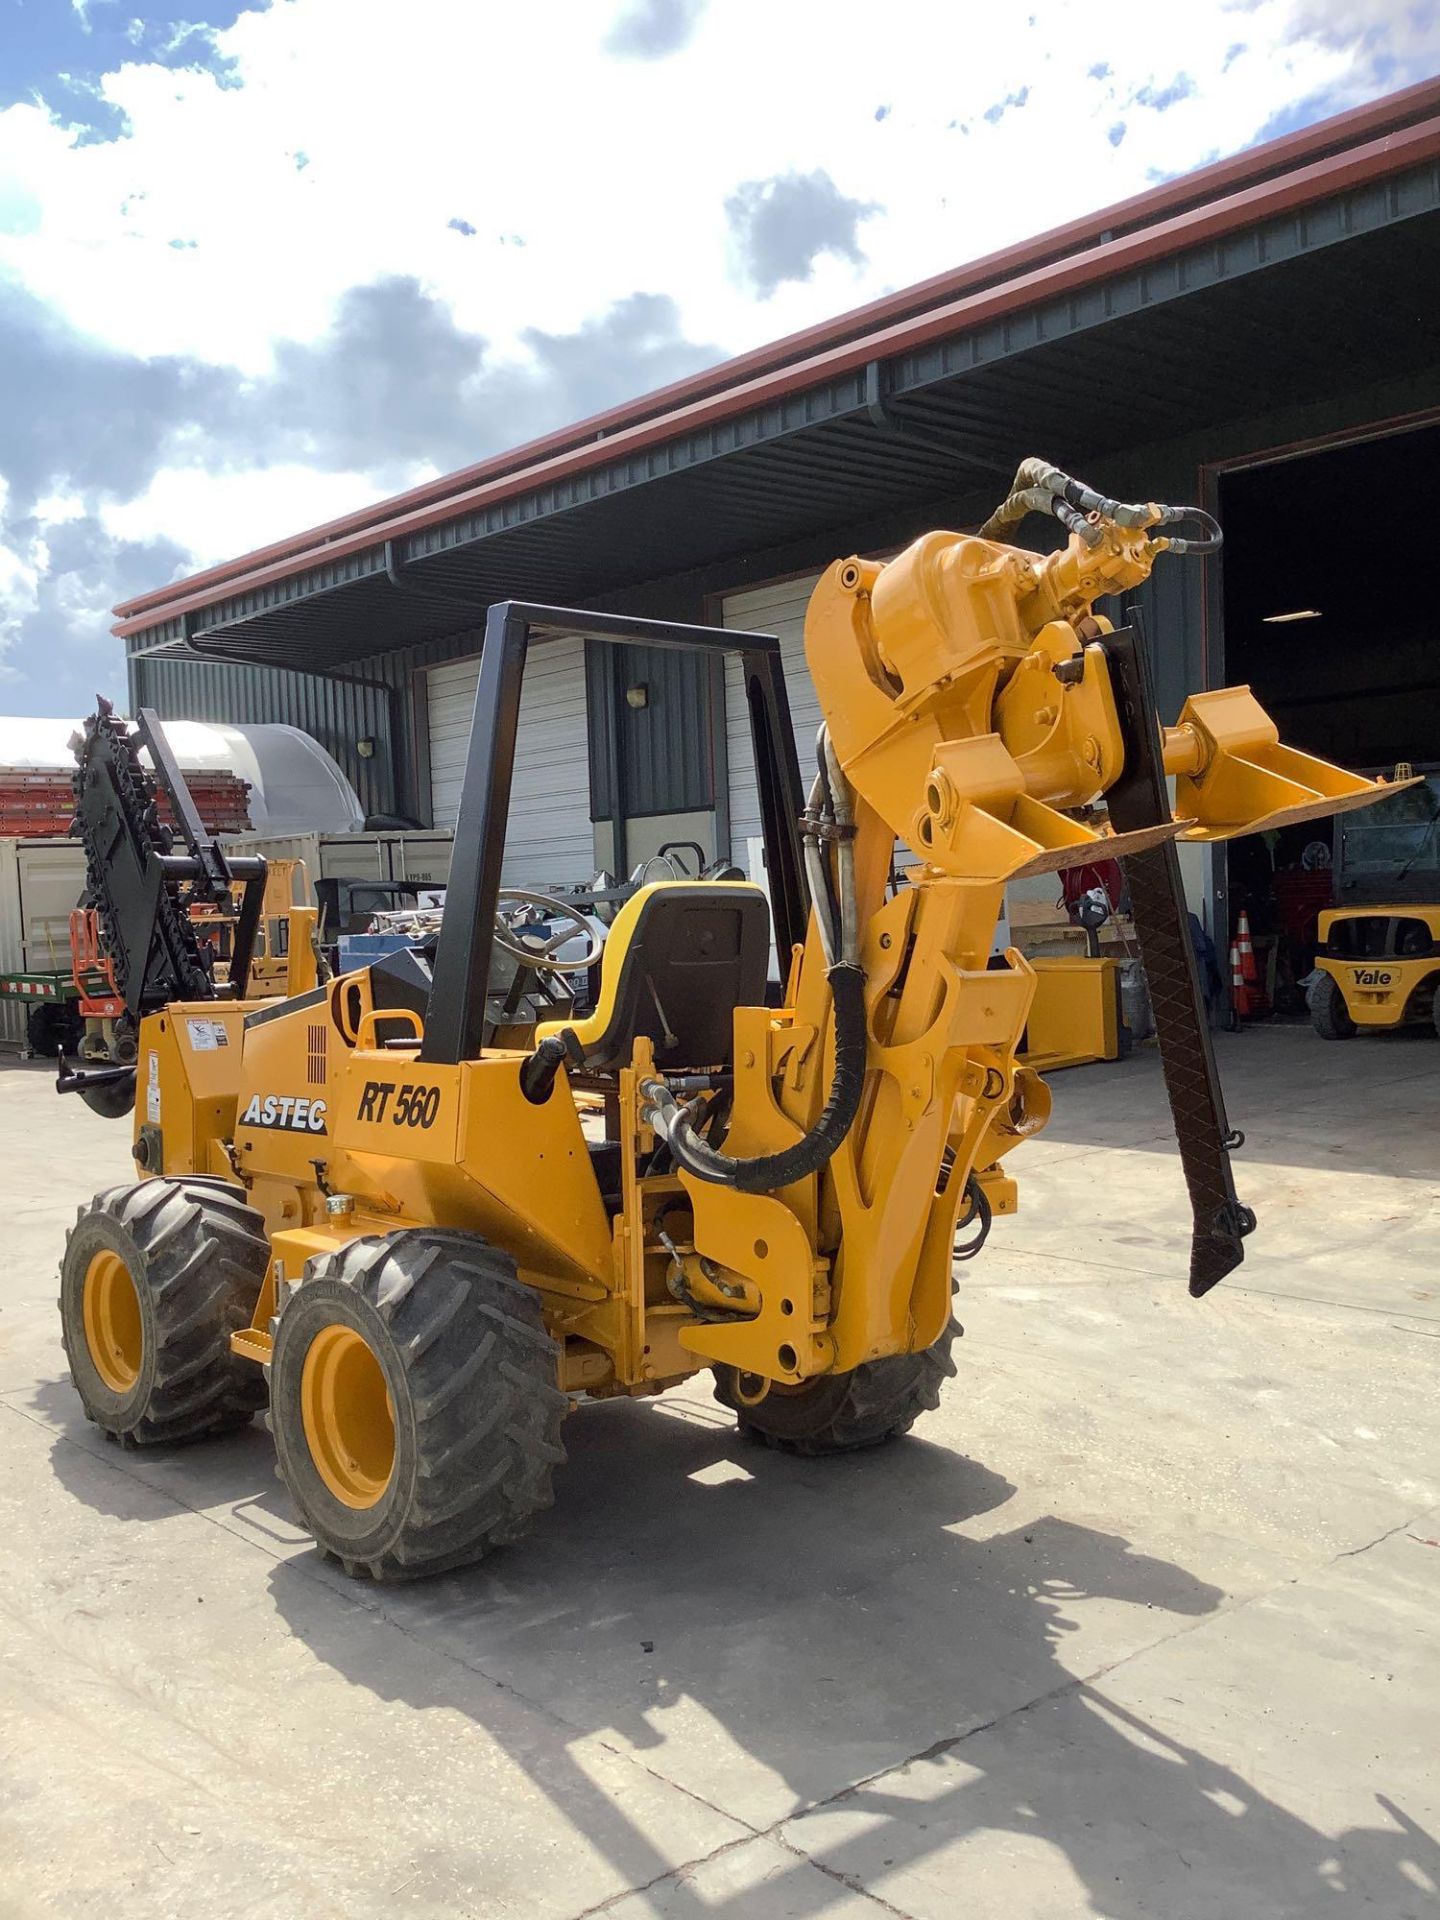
1139,800
1110,846
1320,809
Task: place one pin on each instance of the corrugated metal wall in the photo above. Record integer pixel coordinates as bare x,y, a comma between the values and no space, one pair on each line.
778,609
337,713
667,744
666,747
1174,603
599,706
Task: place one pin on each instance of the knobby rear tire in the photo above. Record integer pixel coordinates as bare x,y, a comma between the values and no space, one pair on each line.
843,1412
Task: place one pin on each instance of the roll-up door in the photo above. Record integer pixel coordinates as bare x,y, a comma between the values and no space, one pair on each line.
777,609
550,838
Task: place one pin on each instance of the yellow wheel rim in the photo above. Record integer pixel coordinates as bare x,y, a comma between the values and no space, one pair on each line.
113,1329
348,1416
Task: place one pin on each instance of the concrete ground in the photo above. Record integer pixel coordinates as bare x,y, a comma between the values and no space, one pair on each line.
1141,1623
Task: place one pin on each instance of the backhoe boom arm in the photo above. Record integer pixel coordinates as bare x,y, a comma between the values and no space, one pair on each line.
977,709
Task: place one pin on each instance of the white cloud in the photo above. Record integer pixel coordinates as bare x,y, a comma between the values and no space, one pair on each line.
506,163
21,563
58,509
494,116
232,512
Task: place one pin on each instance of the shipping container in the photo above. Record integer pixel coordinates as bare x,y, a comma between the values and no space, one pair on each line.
41,881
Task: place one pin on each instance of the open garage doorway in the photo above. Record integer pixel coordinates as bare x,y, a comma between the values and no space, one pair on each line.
1330,617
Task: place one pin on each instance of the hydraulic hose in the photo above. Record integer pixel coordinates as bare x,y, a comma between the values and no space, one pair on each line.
1040,488
771,1170
838,793
1211,541
816,873
829,816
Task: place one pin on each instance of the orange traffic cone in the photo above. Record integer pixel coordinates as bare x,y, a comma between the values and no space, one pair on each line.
1255,993
1239,992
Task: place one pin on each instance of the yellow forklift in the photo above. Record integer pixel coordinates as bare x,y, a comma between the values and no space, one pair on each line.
1378,959
1379,967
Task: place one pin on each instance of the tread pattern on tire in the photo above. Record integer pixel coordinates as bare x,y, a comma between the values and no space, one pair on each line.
1329,1015
878,1401
202,1259
481,1373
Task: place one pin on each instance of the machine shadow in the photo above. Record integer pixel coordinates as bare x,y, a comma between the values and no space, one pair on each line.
765,1632
771,1634
235,1471
1148,1825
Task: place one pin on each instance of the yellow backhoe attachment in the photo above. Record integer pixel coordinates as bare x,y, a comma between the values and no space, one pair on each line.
1233,776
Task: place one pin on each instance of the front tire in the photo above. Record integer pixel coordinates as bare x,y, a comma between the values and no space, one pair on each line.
1329,1015
155,1279
414,1404
843,1412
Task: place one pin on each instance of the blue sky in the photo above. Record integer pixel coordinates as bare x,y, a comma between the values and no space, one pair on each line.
59,52
263,261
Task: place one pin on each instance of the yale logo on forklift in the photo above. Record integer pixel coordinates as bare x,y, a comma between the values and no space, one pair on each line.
1372,976
284,1113
405,1106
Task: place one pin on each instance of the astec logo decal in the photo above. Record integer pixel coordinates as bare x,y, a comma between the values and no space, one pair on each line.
282,1111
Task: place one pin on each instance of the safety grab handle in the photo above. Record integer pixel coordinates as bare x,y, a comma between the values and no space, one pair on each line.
371,1018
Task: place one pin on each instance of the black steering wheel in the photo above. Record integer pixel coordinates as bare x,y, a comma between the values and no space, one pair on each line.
534,950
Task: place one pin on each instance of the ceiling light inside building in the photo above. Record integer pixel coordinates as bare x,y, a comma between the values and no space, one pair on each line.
1284,619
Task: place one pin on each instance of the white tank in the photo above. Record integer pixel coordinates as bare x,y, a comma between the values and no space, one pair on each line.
295,786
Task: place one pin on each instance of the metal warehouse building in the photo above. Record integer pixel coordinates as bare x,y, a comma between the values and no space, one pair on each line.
1261,337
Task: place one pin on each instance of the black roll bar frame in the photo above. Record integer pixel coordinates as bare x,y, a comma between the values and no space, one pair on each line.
455,1016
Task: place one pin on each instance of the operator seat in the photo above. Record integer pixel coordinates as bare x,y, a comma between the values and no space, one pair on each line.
681,956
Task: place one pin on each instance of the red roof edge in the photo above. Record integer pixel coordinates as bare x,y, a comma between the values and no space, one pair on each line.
1093,233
